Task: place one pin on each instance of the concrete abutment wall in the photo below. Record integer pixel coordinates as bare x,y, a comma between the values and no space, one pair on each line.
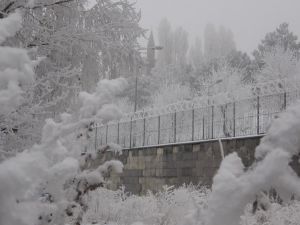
154,167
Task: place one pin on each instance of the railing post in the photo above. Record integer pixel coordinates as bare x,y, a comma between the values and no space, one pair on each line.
118,134
144,132
212,122
224,109
96,136
175,127
130,134
284,101
203,128
158,130
106,134
234,119
258,112
101,138
193,124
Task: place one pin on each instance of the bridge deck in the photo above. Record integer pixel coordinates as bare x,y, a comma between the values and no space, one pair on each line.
245,118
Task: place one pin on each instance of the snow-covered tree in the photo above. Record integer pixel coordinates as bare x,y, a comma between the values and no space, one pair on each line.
165,39
196,57
16,77
226,41
218,44
281,37
47,183
150,54
280,72
170,93
181,46
79,45
211,43
172,59
225,85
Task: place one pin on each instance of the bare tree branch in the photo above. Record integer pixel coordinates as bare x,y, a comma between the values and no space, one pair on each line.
8,9
52,4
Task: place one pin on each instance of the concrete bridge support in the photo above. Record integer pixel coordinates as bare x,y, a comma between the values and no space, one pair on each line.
153,167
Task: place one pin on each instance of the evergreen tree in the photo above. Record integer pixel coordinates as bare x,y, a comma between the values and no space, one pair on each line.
282,37
226,41
165,38
211,42
196,54
150,54
181,46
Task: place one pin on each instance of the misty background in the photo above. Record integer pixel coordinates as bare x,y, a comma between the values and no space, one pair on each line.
248,20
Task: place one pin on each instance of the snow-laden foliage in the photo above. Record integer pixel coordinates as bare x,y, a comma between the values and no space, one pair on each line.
16,77
9,26
181,206
170,206
16,68
46,179
79,46
233,188
277,214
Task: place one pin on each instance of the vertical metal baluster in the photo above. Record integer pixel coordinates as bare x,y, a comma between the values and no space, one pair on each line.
158,130
284,101
175,127
130,135
101,138
234,118
144,132
96,136
258,111
193,124
212,122
106,135
118,133
203,128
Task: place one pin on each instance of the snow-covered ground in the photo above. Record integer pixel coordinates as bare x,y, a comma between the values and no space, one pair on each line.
182,206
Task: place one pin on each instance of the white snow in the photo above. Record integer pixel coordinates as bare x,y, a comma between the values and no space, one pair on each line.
233,188
90,4
16,68
55,160
10,25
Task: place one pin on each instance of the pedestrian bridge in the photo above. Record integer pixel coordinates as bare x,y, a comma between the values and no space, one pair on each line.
184,146
188,122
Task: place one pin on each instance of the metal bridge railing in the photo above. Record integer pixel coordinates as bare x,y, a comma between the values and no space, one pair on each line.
237,119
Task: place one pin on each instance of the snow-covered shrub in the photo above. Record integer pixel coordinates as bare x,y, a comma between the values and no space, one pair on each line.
16,68
170,207
185,205
16,77
233,188
277,214
43,170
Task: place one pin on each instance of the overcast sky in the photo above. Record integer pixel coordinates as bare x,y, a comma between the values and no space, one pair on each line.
249,20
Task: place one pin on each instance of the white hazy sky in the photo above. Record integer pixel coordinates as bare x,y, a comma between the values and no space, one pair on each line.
249,20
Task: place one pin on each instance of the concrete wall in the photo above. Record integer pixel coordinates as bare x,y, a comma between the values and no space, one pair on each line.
152,168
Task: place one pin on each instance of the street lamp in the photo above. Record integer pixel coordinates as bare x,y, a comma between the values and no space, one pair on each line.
155,48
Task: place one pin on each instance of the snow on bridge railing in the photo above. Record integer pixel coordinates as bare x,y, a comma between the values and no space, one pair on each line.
191,122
